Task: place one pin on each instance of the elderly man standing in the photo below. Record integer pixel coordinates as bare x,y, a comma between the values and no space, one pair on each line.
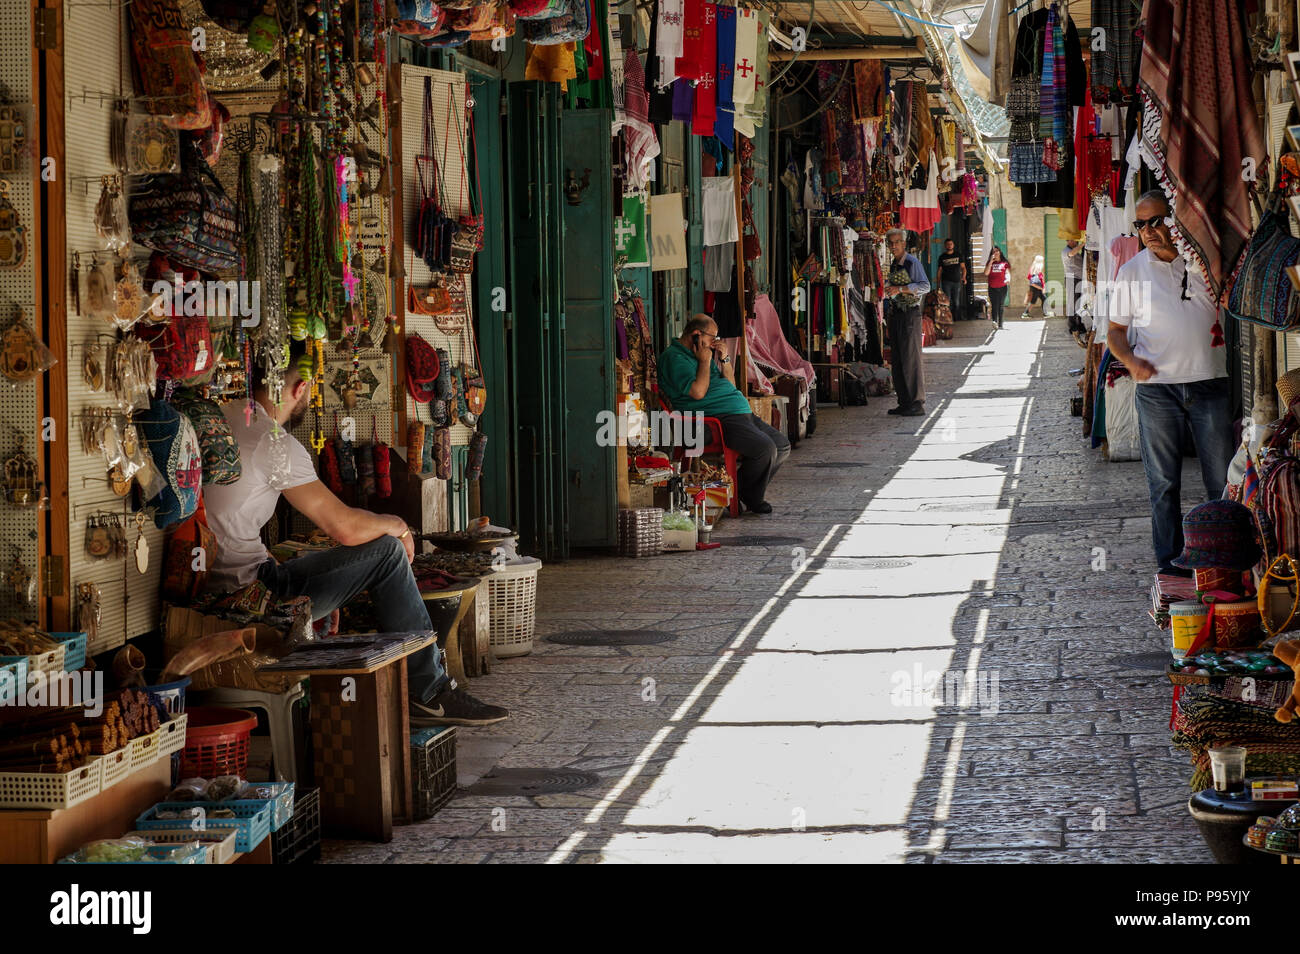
1164,327
905,285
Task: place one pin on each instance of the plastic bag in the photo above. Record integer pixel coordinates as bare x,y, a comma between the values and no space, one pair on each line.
112,851
189,790
223,787
677,520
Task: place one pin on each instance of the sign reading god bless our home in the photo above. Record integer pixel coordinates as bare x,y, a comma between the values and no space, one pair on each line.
667,232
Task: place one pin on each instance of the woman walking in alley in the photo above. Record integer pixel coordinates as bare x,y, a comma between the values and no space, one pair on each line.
1037,282
998,274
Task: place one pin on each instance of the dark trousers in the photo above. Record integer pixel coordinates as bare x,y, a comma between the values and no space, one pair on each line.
954,292
762,449
333,577
1165,413
997,299
905,355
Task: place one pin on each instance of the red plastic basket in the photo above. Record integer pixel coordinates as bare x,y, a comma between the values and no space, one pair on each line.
216,742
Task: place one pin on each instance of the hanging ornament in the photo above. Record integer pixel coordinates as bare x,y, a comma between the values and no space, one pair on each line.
21,581
20,484
264,31
13,137
141,545
13,241
22,354
88,611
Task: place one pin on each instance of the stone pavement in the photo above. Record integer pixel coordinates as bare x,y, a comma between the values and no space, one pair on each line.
796,707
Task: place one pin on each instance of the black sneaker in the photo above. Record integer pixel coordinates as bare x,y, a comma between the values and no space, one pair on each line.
455,707
916,410
897,410
761,507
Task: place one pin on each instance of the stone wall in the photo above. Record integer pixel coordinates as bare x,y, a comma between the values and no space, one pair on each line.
1024,241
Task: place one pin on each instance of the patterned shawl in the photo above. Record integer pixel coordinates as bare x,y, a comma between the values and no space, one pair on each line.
1112,66
1199,125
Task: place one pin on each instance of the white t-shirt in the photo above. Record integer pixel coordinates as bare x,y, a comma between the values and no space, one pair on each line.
720,225
237,512
1176,336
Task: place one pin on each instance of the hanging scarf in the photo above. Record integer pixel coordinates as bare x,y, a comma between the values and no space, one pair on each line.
639,135
724,124
758,109
668,40
1199,124
1112,65
744,60
706,91
869,84
1047,91
690,65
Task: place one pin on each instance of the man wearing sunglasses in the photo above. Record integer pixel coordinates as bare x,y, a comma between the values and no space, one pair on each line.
1164,326
697,377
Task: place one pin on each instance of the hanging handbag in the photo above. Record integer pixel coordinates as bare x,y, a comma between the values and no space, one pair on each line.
1262,293
472,19
217,445
415,438
187,216
570,25
432,224
443,388
163,51
471,389
475,455
434,300
467,233
440,452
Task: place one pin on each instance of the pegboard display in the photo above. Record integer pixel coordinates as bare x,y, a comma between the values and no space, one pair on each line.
451,144
94,76
18,405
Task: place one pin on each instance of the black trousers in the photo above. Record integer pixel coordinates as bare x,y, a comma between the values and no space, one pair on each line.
762,449
905,355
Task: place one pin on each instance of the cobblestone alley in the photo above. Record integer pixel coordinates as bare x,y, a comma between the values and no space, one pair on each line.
774,706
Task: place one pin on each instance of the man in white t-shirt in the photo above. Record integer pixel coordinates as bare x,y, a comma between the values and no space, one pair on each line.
376,552
1165,328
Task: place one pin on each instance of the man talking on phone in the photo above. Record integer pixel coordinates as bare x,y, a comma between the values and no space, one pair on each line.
697,377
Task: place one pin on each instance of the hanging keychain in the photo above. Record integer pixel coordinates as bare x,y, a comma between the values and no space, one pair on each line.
13,240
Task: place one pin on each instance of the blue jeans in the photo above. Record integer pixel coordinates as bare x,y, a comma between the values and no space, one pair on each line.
332,577
1165,413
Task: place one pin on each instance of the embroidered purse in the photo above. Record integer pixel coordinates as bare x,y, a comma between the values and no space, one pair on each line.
187,216
217,446
1262,293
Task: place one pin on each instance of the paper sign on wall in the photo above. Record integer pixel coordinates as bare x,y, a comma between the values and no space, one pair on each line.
667,232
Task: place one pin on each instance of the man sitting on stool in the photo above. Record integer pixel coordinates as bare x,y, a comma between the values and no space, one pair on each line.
376,552
698,378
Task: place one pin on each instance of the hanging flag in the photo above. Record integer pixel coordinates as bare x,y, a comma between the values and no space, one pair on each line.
690,65
683,99
745,60
668,39
706,90
629,232
757,110
724,124
593,45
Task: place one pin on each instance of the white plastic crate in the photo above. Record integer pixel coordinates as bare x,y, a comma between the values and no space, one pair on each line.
512,604
145,750
171,735
117,766
49,789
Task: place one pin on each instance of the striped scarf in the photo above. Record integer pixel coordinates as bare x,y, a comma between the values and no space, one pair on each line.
1047,91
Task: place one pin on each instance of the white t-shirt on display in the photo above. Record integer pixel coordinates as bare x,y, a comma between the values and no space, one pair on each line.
1176,336
237,512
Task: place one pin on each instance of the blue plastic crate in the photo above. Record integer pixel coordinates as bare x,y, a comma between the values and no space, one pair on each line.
169,695
281,802
74,650
13,678
251,825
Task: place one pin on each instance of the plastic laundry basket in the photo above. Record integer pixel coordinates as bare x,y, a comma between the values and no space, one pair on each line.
512,602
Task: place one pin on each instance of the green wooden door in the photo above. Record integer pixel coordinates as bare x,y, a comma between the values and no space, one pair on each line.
536,347
492,305
672,290
588,324
1053,268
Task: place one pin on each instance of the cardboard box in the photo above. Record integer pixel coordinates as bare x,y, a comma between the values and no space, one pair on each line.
676,540
640,496
1266,789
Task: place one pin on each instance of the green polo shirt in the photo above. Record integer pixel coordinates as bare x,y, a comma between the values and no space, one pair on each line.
677,369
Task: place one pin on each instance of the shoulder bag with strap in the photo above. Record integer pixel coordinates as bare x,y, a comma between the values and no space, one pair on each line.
187,216
432,224
1262,292
467,235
